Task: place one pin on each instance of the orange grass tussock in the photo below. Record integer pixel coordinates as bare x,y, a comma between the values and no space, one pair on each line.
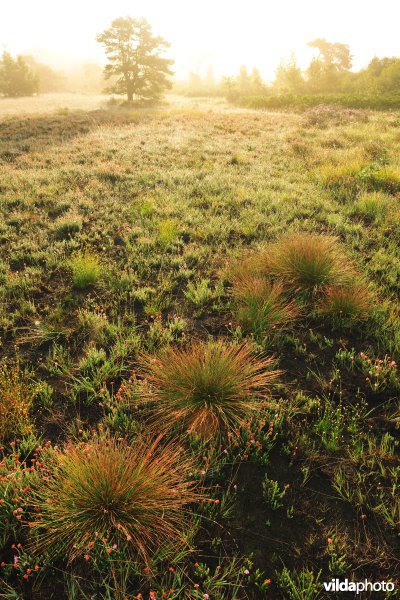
207,387
133,496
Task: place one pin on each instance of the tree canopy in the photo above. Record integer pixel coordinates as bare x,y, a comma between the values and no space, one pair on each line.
333,55
325,70
16,78
135,66
49,79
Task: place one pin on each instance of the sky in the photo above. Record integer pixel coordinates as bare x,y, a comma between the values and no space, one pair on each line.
224,33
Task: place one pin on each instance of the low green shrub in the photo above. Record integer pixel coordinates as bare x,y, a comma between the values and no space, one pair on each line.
303,102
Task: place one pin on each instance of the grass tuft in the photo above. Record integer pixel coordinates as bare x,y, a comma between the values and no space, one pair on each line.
372,207
346,304
308,262
15,402
67,226
207,387
132,497
86,270
261,306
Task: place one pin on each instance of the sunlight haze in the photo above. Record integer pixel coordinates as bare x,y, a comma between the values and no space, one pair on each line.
223,33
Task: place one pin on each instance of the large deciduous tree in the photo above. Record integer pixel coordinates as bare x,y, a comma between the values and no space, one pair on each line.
325,70
135,62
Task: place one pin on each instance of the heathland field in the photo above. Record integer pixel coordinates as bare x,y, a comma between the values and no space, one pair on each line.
199,390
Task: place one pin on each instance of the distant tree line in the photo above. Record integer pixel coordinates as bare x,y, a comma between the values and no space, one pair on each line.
138,69
244,84
25,76
16,78
328,74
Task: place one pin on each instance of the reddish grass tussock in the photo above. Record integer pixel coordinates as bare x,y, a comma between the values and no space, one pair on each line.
308,261
133,496
353,302
207,387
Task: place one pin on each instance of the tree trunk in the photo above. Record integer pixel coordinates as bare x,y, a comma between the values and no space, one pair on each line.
129,89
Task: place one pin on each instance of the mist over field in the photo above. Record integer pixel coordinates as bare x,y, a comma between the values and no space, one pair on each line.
199,300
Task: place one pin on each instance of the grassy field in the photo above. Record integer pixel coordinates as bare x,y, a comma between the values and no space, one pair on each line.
64,102
230,279
50,103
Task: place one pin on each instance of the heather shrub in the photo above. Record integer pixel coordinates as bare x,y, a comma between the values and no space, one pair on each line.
16,397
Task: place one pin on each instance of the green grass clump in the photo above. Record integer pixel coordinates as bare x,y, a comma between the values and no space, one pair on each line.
207,387
346,181
261,306
373,207
86,270
385,179
129,497
168,232
67,226
342,180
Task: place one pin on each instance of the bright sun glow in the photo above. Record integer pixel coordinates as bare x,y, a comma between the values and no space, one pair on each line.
225,33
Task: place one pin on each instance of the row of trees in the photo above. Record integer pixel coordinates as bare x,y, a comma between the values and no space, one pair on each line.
25,76
329,72
138,69
136,66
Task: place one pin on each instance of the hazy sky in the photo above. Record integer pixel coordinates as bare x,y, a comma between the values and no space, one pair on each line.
226,33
